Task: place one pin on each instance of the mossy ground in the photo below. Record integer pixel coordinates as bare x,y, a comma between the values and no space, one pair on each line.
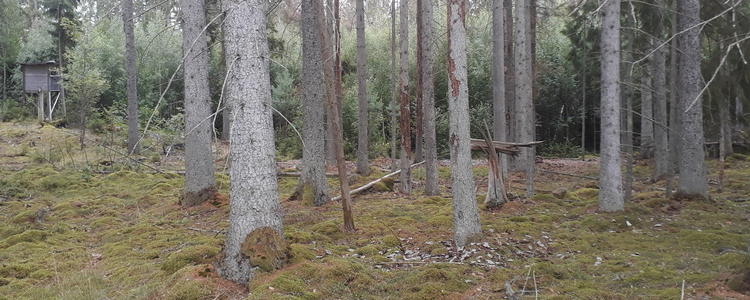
73,228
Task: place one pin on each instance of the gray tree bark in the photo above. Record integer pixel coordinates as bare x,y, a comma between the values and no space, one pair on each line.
329,66
338,128
524,102
431,186
466,227
692,174
674,115
661,135
363,166
418,132
394,89
647,114
405,176
131,88
627,94
498,169
200,183
313,131
510,75
254,200
610,177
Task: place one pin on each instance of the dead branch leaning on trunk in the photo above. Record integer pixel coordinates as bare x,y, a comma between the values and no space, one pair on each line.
369,185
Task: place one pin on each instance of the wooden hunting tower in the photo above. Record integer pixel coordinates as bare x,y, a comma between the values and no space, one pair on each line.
42,78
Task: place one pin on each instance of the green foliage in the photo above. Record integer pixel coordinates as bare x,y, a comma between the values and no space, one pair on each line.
83,81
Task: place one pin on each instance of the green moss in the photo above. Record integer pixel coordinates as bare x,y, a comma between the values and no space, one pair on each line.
287,283
266,249
439,251
519,219
380,187
436,200
391,241
559,272
428,291
28,236
440,221
444,172
299,253
307,195
543,197
300,237
340,270
189,290
105,223
480,198
41,274
654,274
587,193
737,157
28,216
389,183
418,174
330,229
189,255
368,250
18,271
480,172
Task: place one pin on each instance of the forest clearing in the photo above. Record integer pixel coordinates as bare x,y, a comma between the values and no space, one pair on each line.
97,225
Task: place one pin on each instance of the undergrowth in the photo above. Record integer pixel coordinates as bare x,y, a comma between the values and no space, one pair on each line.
76,229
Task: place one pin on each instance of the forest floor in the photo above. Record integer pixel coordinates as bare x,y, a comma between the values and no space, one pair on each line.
95,225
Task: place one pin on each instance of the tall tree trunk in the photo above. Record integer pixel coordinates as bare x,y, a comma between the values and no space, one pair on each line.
431,186
338,127
510,73
226,114
524,103
610,177
647,114
674,100
5,88
405,177
394,89
510,79
363,166
61,61
254,199
132,91
583,94
627,94
495,189
661,135
724,136
418,156
466,227
329,70
200,182
313,130
692,174
725,118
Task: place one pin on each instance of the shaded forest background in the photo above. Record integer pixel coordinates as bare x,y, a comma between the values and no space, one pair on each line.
88,35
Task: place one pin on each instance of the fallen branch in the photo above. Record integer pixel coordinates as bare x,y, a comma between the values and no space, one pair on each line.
206,230
298,174
509,144
369,185
568,174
